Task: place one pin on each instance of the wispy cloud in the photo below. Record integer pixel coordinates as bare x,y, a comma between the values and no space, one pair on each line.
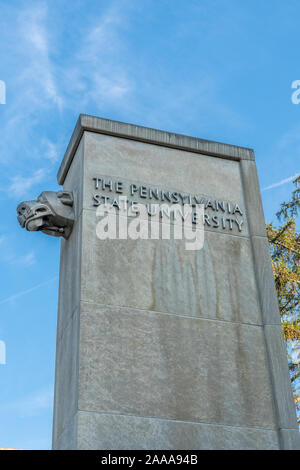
47,79
32,405
33,87
97,72
27,291
26,260
51,151
20,185
13,256
39,74
280,183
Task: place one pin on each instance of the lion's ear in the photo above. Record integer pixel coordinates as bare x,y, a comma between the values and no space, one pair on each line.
66,197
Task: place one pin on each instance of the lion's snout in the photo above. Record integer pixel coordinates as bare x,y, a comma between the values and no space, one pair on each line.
51,213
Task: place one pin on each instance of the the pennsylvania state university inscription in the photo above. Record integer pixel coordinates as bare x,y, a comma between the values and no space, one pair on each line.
218,214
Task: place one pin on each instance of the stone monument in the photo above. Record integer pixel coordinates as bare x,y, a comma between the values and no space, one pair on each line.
160,346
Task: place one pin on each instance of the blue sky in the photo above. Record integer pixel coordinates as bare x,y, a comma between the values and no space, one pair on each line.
215,69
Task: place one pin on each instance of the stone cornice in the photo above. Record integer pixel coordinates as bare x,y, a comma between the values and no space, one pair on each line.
148,135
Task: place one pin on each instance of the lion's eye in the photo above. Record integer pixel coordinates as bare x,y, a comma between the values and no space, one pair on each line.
41,209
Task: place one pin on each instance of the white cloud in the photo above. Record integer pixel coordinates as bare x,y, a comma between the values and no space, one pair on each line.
280,183
32,405
26,260
27,291
20,185
290,140
39,74
96,73
51,152
92,73
33,84
9,255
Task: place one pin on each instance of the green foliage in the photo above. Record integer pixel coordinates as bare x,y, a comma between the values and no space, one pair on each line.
285,253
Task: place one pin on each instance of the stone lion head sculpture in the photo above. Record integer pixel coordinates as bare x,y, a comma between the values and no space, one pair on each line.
51,213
